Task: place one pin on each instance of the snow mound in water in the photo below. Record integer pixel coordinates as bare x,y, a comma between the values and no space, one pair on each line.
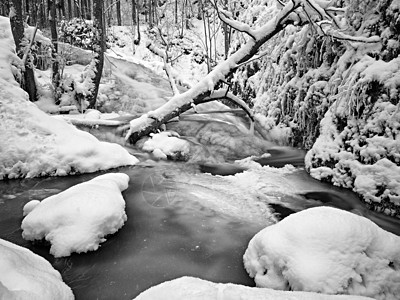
78,219
35,144
167,144
25,275
326,250
190,288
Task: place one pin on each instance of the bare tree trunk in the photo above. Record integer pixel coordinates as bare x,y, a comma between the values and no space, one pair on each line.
176,11
226,29
54,53
17,28
83,9
99,48
205,38
61,9
200,10
70,9
134,11
119,21
151,13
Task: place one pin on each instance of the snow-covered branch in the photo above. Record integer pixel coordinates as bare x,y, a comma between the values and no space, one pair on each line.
226,17
224,94
202,91
164,55
337,34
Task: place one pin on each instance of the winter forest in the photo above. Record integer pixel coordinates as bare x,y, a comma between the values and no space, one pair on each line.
199,149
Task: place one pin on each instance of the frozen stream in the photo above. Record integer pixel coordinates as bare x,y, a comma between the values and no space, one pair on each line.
185,218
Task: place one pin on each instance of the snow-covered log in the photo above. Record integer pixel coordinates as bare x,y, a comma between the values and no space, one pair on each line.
297,12
203,91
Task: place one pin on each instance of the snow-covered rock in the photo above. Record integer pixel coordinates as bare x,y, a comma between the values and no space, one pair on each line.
27,276
190,288
78,219
35,144
326,250
167,143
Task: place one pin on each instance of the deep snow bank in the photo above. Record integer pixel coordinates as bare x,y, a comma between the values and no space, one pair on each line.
326,250
78,219
190,288
35,144
25,275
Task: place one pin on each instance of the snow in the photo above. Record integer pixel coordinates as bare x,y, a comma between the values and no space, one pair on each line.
25,275
190,288
78,219
326,250
168,144
35,144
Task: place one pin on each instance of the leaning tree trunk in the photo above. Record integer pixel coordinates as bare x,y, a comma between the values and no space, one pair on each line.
17,27
98,47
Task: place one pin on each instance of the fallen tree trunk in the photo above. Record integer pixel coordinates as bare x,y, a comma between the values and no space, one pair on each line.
204,91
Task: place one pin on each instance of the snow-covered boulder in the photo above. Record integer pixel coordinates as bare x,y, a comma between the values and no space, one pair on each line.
25,275
167,144
190,288
326,250
78,219
35,144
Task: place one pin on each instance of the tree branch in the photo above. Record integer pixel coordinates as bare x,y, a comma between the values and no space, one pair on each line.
167,68
202,91
226,17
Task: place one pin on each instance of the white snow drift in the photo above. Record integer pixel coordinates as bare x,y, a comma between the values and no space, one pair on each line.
78,219
25,275
35,144
326,250
190,288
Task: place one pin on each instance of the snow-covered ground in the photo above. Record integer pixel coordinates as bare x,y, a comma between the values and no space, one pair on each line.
190,288
329,251
35,144
78,219
187,69
25,275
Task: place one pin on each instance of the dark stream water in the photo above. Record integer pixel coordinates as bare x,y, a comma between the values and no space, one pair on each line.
167,234
164,237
